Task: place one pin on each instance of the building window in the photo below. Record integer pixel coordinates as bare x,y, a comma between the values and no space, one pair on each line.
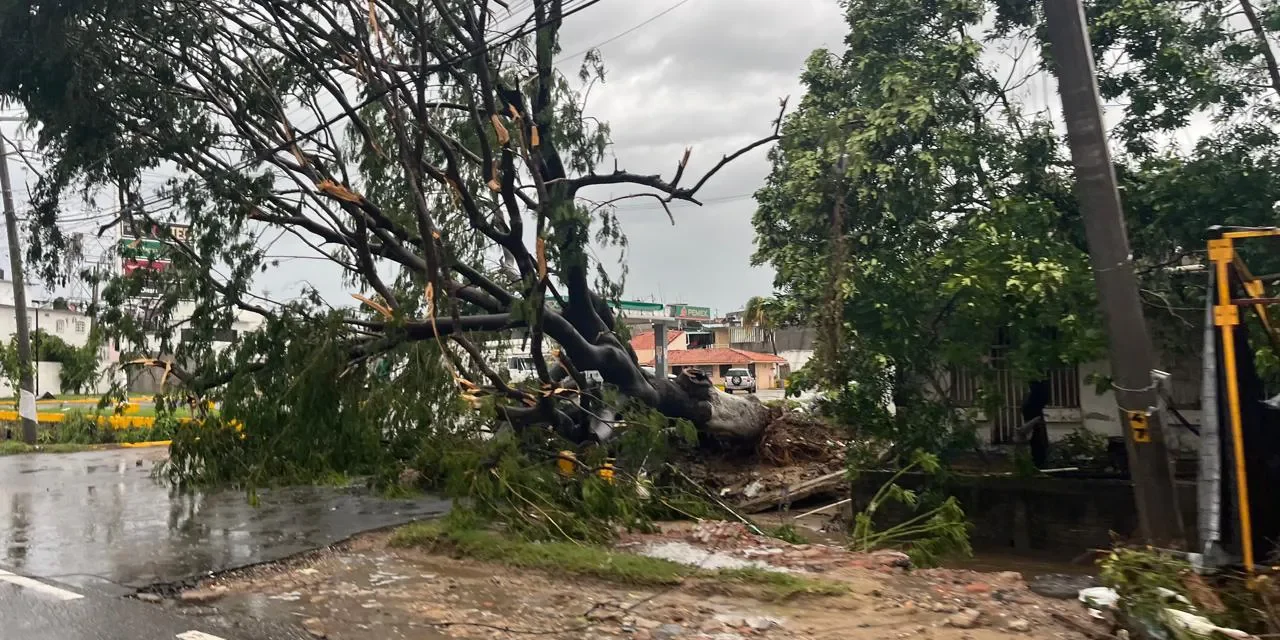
60,326
81,326
968,385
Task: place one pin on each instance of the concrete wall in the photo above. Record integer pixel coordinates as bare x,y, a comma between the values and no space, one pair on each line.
48,379
1054,518
679,343
1101,414
71,326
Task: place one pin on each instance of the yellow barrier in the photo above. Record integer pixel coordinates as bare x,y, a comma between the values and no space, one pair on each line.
139,445
132,400
115,422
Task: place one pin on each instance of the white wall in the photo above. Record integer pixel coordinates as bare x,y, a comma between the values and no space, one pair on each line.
797,358
71,326
1101,414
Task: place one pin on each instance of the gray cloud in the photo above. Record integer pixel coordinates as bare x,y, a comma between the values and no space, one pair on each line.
707,75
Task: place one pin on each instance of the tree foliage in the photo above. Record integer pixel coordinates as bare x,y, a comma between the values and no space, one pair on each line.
952,214
920,202
432,141
80,365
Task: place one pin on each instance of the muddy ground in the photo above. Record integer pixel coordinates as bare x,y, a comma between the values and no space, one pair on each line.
367,590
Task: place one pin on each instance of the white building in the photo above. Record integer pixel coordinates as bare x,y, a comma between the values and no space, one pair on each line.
71,324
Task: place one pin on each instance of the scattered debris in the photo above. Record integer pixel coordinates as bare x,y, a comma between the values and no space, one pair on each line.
1018,625
835,482
315,627
201,596
667,632
1202,594
1099,597
1194,626
1060,585
346,594
725,545
966,619
1083,628
687,554
796,438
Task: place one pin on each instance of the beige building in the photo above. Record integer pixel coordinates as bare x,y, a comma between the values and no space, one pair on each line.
767,369
643,343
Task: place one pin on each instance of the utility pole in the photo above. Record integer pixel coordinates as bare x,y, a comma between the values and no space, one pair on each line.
660,349
1132,356
26,398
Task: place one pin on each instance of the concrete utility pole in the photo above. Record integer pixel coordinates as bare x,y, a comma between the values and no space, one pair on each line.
660,349
26,398
1132,356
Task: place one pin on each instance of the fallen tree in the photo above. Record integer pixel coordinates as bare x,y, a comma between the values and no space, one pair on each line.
432,140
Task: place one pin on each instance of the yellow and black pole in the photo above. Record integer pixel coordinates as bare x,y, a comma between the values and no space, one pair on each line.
1226,316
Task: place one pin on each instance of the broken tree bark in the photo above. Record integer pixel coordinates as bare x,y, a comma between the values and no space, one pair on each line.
714,411
830,483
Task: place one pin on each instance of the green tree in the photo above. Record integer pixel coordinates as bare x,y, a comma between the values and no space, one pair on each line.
954,221
919,205
766,314
429,137
80,365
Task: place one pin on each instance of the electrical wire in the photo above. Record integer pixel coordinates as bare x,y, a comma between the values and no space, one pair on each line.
400,83
627,32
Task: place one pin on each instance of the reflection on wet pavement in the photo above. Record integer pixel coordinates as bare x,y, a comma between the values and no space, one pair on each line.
99,519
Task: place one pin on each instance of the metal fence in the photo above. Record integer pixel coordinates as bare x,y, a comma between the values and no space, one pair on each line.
970,385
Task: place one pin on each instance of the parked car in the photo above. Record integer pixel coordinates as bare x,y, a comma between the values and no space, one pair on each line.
739,380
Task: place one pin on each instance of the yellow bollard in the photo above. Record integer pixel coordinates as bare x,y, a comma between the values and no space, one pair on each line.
566,462
606,472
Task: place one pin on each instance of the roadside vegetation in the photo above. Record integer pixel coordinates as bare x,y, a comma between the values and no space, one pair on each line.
463,538
14,447
919,211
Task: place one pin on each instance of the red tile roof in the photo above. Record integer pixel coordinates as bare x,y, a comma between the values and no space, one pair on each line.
645,340
689,357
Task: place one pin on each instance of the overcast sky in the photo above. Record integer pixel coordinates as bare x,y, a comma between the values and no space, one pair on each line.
706,75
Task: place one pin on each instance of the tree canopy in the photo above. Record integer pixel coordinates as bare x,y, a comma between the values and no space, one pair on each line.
920,207
435,141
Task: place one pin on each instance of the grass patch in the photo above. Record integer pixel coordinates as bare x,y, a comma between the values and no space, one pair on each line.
14,447
596,562
782,585
788,533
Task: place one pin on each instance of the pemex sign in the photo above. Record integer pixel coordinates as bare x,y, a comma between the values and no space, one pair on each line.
689,312
148,248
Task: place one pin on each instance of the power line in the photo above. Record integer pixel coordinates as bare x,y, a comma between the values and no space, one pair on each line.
627,32
705,201
400,83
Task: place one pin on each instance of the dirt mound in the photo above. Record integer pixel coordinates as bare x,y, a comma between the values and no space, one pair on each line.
798,457
794,438
734,539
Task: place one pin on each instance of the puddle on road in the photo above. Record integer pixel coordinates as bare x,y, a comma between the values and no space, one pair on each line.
99,519
370,597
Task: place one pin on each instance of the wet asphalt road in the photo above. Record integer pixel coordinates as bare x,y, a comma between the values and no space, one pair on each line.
97,525
42,613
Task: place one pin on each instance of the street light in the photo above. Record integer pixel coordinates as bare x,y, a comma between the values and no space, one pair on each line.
36,337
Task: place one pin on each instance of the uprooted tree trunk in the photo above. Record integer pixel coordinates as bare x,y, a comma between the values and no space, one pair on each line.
464,143
692,396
